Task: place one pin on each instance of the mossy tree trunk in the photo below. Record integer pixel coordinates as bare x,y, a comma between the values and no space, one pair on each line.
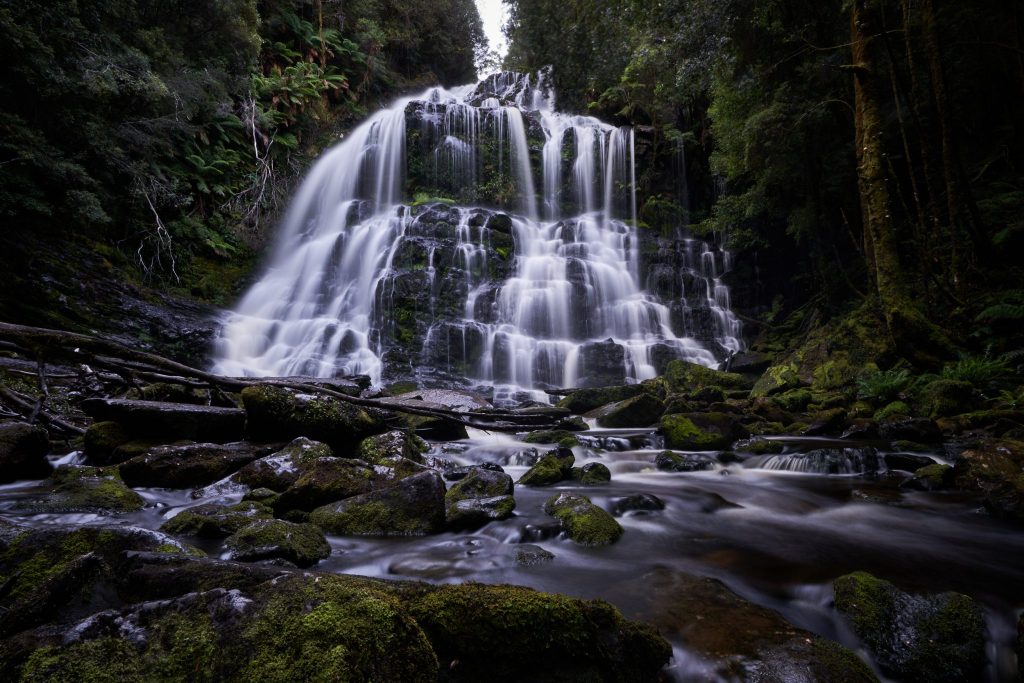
913,335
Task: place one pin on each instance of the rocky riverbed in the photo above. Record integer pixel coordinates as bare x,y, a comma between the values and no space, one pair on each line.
274,531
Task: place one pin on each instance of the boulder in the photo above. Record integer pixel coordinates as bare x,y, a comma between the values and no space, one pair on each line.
85,489
640,503
915,637
529,555
459,472
667,461
919,429
480,497
277,414
173,421
552,468
584,400
946,397
591,474
387,448
582,521
688,378
996,470
190,466
265,539
411,506
934,477
23,449
556,436
776,380
701,431
215,521
639,411
327,480
101,441
282,469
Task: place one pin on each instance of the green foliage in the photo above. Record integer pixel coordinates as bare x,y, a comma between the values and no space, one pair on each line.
979,371
883,386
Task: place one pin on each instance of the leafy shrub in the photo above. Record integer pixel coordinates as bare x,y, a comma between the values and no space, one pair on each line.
883,386
979,371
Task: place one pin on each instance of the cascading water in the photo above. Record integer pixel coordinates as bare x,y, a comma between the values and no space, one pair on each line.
549,295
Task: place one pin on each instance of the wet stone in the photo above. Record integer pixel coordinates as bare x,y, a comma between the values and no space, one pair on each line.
638,503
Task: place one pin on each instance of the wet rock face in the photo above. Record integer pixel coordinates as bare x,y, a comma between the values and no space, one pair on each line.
482,496
602,364
191,465
84,489
23,450
412,506
268,539
915,637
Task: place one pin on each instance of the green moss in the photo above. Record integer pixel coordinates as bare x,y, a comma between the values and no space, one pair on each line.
584,400
681,376
946,397
760,446
777,379
834,663
101,438
894,409
582,521
86,489
794,400
682,433
550,469
106,660
557,436
592,474
302,544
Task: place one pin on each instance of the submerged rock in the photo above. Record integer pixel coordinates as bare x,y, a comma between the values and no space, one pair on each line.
85,489
639,503
582,521
23,449
412,506
266,539
170,420
915,637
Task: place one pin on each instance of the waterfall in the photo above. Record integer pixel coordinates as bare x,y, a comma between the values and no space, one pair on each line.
361,281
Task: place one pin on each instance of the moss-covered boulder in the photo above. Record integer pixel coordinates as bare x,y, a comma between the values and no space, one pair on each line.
738,640
326,480
683,377
582,521
584,400
278,414
934,477
560,437
894,410
412,506
101,440
759,446
553,467
23,449
915,637
667,461
794,400
591,474
482,496
917,429
776,380
701,431
210,520
946,397
169,421
640,411
267,539
84,489
510,633
190,465
996,470
281,469
390,447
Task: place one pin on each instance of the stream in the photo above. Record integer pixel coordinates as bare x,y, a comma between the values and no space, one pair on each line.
775,537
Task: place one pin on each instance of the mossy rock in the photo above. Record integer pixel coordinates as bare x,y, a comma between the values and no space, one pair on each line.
388,448
700,431
480,497
683,377
776,380
265,539
759,446
591,474
282,469
996,470
946,397
190,465
794,400
933,477
412,506
170,393
437,428
210,520
667,461
511,633
640,411
277,414
834,374
584,400
85,489
582,521
894,409
23,449
915,637
101,441
561,437
553,467
326,480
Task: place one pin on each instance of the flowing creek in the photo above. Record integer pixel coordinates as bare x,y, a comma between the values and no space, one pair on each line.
777,538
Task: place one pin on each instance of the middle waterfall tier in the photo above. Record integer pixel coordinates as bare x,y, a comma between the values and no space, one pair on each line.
558,289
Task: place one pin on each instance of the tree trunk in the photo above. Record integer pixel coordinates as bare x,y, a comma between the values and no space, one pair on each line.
914,337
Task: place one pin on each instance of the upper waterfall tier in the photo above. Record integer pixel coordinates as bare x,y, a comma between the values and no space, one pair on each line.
557,286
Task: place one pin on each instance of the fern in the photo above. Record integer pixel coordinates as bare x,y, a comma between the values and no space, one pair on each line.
883,386
981,372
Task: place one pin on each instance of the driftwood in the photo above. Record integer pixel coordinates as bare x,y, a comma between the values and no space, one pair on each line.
47,345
